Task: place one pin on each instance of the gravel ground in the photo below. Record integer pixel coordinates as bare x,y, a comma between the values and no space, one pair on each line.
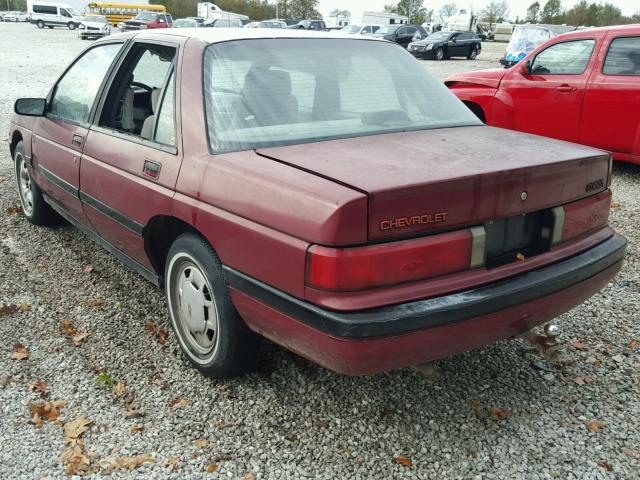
484,414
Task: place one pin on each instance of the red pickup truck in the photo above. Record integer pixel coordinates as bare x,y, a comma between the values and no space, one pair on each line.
582,86
350,208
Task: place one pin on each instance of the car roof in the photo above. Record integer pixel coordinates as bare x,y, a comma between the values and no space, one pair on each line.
624,29
217,35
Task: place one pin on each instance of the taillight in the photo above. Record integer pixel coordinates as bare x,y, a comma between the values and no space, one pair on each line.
359,268
581,217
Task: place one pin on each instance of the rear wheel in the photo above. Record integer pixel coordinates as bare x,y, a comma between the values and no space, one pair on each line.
40,24
34,207
207,326
473,53
439,54
71,26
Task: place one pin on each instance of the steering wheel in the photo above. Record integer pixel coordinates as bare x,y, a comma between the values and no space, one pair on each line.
142,85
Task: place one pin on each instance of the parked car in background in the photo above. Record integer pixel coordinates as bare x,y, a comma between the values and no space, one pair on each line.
527,37
310,25
16,17
360,29
185,23
199,20
442,45
224,23
147,20
401,34
93,26
368,223
52,14
290,22
2,14
275,23
251,25
583,87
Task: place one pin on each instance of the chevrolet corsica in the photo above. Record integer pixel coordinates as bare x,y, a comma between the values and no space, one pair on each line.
315,188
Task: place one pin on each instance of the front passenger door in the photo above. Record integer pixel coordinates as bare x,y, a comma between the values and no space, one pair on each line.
59,136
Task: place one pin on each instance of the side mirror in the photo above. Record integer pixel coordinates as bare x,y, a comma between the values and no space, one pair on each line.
526,68
30,107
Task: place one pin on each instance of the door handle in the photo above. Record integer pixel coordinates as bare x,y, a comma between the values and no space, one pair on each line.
566,88
77,139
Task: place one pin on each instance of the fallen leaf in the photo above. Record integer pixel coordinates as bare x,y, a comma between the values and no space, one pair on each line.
157,330
8,309
594,425
223,424
606,465
138,427
498,413
118,390
403,460
290,436
615,205
221,458
321,424
212,468
178,402
5,381
630,453
579,345
77,462
249,476
74,430
88,269
578,381
81,337
49,411
172,463
95,302
38,386
20,352
632,344
131,404
24,306
14,210
588,379
201,443
68,328
129,463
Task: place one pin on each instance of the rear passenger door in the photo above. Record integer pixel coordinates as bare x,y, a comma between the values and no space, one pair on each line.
611,111
132,154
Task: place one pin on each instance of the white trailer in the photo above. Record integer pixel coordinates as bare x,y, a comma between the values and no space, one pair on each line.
210,11
383,18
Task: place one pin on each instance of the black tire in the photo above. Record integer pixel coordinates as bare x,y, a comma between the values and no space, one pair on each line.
34,208
71,26
50,27
235,348
439,54
473,53
40,24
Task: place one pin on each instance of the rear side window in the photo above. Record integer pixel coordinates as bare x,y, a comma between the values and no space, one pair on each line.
45,9
567,58
623,57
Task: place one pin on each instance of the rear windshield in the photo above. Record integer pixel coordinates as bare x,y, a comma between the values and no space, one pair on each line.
269,92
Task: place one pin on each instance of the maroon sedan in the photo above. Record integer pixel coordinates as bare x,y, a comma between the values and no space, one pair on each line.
347,206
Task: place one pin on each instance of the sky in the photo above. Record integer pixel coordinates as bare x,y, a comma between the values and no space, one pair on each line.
517,7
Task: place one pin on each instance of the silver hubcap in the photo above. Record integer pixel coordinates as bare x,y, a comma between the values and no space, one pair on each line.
195,308
24,186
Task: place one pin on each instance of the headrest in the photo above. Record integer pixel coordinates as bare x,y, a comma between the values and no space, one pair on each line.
155,96
264,79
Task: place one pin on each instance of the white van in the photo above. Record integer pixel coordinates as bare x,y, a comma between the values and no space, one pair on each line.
53,14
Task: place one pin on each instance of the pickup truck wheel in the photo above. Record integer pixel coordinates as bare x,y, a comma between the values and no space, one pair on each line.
439,54
206,324
34,207
473,53
40,24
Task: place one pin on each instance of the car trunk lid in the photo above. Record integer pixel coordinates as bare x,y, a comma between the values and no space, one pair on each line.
434,180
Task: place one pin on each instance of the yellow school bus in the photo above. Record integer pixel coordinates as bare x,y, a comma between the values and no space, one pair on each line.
119,12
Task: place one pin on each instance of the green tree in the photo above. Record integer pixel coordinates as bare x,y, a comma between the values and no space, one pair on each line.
533,12
552,12
413,9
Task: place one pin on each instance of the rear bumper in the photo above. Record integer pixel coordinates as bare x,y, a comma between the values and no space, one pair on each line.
379,339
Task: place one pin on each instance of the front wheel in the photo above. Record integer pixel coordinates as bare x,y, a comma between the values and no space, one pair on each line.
34,207
473,53
40,24
206,324
439,54
71,26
